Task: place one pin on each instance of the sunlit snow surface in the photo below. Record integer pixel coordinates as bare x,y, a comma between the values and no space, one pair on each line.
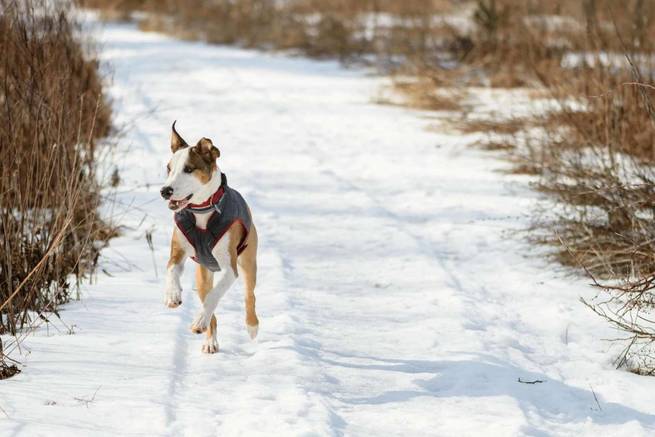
394,295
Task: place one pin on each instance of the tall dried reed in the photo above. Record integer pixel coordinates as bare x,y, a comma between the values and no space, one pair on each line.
53,112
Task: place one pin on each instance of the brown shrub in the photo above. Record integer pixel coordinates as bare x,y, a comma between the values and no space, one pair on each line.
53,112
594,160
421,93
345,29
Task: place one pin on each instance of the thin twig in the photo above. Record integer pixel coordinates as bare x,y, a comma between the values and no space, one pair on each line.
53,246
151,246
595,397
535,381
645,85
4,412
88,401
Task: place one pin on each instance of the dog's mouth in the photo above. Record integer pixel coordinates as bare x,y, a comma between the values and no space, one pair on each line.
176,205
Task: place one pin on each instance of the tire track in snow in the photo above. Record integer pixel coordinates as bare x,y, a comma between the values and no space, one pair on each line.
180,360
320,157
333,421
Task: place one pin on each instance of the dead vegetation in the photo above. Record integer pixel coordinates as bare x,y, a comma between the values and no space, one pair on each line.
53,113
593,157
421,93
345,29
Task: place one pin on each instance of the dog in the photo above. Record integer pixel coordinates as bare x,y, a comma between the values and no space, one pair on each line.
214,227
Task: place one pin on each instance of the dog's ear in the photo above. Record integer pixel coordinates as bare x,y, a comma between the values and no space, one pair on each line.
207,149
177,142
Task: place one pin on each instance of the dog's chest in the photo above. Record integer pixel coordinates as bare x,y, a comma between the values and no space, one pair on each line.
201,221
202,232
200,240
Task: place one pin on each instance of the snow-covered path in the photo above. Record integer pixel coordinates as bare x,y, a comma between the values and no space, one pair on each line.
392,295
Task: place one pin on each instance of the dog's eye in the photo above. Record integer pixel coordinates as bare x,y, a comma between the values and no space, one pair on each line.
187,169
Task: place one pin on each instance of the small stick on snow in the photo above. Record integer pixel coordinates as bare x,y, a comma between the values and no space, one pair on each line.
88,401
5,413
536,381
595,398
152,250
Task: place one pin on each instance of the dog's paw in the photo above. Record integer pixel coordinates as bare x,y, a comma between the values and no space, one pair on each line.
252,330
200,323
173,300
210,346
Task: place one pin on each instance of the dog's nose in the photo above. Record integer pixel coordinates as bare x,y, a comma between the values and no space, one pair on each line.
166,192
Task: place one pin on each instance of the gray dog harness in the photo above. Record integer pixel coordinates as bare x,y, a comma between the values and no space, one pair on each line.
226,206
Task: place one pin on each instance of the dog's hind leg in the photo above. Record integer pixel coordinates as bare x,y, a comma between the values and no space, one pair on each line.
204,284
247,262
225,253
174,268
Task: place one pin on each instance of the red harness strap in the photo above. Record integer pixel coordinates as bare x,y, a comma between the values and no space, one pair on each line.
213,200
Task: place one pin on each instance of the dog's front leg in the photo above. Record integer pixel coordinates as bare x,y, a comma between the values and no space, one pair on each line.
202,320
175,267
227,276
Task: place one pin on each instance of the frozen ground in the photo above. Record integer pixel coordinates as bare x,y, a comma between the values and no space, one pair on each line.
394,295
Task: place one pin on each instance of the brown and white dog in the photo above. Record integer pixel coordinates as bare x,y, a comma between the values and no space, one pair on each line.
194,179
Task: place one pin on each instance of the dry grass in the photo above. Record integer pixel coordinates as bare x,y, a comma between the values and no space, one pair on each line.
344,29
510,126
497,146
593,158
53,112
421,93
594,161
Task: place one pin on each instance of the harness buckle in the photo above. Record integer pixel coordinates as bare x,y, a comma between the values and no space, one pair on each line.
220,201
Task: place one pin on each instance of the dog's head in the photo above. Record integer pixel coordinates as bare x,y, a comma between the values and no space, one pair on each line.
189,171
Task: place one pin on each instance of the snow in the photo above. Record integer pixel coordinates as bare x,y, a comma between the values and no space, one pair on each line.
395,293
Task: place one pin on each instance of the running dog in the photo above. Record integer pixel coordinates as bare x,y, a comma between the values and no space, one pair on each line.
214,227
